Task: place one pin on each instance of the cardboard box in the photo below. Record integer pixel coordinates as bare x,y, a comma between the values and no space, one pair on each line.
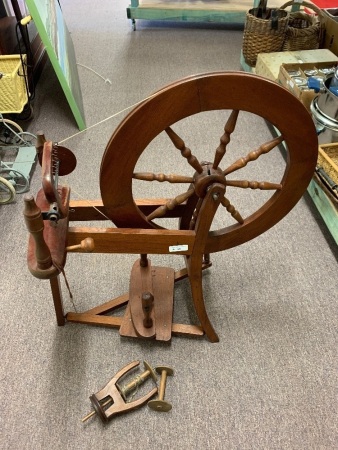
332,13
304,94
268,64
331,33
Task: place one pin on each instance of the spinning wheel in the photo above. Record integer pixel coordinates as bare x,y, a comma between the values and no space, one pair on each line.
215,91
150,298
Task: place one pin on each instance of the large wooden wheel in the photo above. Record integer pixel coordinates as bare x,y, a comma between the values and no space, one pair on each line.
234,91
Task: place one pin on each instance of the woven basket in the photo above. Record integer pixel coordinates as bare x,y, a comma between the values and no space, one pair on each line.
13,93
304,31
263,35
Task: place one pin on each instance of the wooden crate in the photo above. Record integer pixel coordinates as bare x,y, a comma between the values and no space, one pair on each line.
328,159
268,64
305,94
326,204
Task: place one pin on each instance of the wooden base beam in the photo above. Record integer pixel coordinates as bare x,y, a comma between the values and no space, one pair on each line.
97,316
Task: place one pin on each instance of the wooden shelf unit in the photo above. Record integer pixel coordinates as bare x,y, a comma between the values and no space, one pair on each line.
221,11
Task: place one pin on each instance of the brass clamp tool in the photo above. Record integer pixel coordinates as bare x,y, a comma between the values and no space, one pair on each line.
112,399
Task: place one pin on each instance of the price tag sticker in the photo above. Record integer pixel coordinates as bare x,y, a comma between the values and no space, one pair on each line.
178,248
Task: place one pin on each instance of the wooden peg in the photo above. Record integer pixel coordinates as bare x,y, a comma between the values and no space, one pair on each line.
147,306
92,413
143,260
40,141
160,404
35,226
86,245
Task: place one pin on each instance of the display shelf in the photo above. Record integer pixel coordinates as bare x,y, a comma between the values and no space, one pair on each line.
319,194
216,11
189,11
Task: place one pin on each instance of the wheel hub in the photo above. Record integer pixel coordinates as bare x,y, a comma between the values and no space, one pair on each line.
209,176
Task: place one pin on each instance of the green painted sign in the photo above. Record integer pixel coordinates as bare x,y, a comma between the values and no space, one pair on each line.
47,16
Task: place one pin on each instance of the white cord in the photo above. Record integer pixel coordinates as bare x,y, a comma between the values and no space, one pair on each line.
107,118
106,80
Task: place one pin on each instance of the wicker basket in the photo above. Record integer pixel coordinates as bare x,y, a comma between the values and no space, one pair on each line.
328,160
263,35
13,93
304,31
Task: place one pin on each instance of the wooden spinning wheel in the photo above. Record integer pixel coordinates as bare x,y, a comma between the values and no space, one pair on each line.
215,91
150,298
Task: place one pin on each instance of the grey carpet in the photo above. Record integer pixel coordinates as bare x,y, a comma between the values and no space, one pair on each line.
271,381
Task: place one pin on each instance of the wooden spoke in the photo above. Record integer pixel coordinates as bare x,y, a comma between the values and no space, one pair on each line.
262,185
231,209
171,178
225,139
252,156
171,204
185,151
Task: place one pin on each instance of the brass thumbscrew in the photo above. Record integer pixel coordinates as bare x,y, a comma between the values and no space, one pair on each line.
160,404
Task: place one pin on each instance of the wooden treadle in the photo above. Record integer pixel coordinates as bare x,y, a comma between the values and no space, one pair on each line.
162,286
159,281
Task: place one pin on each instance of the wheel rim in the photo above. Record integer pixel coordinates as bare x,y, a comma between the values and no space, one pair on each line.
7,191
7,137
236,91
18,180
26,138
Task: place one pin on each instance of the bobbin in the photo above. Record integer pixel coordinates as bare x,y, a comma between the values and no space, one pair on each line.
160,404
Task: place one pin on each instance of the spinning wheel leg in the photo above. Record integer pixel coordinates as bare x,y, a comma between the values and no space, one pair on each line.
195,261
194,265
57,299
